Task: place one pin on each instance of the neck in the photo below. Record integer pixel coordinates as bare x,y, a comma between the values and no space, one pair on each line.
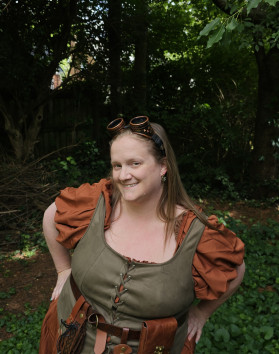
146,210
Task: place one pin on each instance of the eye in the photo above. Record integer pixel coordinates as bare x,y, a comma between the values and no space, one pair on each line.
116,166
136,163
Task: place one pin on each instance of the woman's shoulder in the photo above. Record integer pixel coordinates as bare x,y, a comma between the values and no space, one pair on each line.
216,236
85,190
218,253
183,220
75,208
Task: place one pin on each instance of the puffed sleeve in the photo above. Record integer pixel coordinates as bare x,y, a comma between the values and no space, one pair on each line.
75,208
215,261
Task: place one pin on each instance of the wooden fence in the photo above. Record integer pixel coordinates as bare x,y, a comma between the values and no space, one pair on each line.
68,120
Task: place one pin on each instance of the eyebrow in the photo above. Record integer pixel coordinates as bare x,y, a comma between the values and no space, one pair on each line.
138,159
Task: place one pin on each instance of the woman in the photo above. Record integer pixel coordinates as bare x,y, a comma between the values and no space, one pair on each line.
143,251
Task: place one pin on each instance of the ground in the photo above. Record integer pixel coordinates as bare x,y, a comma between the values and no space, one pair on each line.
33,278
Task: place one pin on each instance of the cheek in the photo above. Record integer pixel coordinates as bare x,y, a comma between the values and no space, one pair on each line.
154,174
114,174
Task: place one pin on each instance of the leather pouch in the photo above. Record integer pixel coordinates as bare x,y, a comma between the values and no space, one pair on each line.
157,336
71,341
189,346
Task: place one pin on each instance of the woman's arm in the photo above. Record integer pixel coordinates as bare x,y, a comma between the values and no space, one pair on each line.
60,255
199,314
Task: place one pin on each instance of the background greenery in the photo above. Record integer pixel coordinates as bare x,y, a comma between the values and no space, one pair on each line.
208,71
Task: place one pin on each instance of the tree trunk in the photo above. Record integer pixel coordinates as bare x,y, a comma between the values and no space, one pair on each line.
265,164
23,141
32,133
141,32
114,36
14,135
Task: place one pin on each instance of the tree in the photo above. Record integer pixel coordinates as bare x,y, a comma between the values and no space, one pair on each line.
114,30
34,37
140,66
133,26
257,22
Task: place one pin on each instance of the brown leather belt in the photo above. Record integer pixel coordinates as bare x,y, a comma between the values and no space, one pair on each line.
98,320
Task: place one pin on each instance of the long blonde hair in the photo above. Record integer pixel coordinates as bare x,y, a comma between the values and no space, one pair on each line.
174,192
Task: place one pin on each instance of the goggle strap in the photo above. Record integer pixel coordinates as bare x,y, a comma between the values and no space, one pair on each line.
159,143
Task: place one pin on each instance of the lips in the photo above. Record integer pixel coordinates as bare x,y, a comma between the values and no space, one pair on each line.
129,185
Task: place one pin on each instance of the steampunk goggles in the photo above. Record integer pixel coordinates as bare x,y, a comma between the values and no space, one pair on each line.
138,125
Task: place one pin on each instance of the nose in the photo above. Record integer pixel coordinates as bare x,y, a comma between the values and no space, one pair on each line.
124,173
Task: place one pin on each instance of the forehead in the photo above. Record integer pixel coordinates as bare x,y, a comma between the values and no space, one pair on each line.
129,145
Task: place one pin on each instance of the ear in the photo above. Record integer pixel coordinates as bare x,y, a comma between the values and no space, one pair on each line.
163,166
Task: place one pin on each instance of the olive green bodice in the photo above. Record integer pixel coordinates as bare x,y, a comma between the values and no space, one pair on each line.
145,291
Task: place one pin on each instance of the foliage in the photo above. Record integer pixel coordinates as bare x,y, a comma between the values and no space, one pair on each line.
83,165
8,294
27,246
242,324
253,20
254,25
25,328
207,106
30,243
66,168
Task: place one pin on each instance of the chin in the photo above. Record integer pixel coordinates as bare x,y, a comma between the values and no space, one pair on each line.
129,198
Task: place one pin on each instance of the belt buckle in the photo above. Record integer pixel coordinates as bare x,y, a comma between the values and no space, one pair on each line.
94,322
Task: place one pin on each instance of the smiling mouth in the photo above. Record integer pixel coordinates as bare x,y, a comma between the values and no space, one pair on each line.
129,185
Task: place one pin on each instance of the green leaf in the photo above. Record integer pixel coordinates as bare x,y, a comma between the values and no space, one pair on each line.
248,24
210,26
234,8
235,330
271,2
222,335
267,331
252,5
216,37
232,24
240,27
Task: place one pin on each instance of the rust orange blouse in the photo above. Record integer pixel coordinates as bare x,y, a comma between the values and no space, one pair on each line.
216,257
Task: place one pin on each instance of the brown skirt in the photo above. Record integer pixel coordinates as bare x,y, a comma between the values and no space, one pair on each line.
49,331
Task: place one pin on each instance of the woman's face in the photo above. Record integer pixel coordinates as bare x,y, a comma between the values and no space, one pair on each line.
135,170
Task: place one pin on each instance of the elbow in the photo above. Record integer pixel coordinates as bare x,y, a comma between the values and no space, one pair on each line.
235,283
48,220
49,213
240,272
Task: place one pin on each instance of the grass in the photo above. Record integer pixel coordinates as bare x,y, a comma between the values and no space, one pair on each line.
247,323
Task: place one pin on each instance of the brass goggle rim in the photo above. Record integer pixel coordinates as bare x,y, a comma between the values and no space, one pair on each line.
139,125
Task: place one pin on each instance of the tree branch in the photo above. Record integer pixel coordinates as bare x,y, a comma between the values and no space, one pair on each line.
6,6
256,15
